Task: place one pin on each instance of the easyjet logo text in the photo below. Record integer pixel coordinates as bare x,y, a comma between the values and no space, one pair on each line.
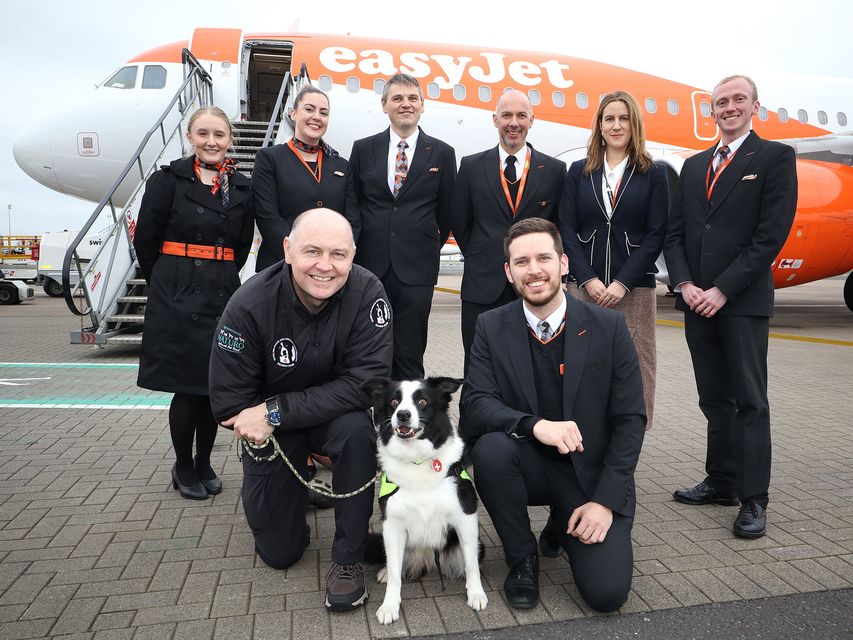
445,70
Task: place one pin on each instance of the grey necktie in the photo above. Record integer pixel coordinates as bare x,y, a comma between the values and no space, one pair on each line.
544,330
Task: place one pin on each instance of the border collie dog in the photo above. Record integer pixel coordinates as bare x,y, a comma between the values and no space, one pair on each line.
428,502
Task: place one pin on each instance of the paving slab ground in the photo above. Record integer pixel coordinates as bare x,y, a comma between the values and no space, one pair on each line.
94,543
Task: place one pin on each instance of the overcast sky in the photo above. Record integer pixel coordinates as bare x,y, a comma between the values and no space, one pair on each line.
53,50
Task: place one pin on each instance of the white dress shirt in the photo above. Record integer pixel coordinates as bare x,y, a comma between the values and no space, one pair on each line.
554,320
611,177
412,141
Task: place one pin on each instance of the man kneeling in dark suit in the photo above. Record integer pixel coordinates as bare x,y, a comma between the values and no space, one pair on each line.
553,406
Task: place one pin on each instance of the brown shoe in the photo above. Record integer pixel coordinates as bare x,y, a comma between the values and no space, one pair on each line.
345,586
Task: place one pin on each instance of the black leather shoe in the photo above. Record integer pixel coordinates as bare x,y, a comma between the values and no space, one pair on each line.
549,545
522,584
704,494
210,480
193,492
751,521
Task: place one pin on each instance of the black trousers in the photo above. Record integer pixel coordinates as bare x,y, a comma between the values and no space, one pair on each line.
275,502
512,474
729,355
472,310
410,306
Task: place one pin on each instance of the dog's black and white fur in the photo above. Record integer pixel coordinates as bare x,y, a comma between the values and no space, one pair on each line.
433,508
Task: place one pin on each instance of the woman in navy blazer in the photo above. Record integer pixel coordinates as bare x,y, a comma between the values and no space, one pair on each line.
304,173
613,217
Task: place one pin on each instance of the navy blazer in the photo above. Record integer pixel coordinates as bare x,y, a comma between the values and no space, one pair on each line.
404,233
731,241
625,246
284,188
602,392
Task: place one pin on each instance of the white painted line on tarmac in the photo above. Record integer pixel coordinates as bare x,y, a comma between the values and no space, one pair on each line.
112,407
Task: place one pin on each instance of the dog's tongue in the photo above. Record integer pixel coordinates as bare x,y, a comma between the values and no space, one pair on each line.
404,430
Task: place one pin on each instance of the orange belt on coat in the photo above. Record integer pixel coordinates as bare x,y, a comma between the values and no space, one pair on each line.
203,251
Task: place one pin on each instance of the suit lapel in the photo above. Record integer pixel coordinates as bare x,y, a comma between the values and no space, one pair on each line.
595,180
735,171
423,151
380,156
491,168
518,351
576,345
534,178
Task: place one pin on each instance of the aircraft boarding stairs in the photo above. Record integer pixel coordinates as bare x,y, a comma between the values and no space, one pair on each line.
111,292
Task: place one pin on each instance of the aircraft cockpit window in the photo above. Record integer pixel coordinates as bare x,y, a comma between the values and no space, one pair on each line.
153,77
558,99
459,92
325,83
672,107
762,114
353,84
651,105
124,78
378,86
821,117
582,100
535,97
842,119
782,114
802,116
433,92
484,93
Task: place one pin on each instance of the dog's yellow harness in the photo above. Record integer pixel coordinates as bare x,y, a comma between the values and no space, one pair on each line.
387,488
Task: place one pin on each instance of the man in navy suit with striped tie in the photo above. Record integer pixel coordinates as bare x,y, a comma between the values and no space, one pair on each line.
730,217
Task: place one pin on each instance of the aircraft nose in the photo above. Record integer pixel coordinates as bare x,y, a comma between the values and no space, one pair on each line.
32,153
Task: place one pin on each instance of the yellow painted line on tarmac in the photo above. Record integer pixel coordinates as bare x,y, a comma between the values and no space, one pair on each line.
778,336
446,290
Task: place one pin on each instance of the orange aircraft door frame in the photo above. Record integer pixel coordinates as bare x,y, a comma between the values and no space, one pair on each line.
218,50
704,127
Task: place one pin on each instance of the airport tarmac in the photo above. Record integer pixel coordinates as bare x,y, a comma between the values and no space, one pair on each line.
95,544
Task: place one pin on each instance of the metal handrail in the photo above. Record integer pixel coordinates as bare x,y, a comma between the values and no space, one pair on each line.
200,81
283,93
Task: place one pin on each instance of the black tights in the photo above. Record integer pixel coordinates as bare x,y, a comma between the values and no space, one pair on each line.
190,414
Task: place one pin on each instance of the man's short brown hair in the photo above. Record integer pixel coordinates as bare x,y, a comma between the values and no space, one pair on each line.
533,225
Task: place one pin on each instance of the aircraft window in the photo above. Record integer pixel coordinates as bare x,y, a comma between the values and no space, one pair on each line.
153,77
325,82
124,78
558,99
802,116
484,93
705,109
842,119
433,91
581,100
782,114
459,91
762,114
821,117
535,97
378,86
672,107
353,84
651,105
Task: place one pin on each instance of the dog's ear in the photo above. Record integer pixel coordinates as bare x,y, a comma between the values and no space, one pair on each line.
445,385
374,387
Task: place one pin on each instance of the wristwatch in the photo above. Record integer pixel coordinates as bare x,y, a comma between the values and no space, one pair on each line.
273,412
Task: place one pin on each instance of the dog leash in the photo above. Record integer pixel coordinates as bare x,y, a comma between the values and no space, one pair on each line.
249,446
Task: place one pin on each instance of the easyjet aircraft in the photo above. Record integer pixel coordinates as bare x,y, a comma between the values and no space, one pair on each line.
86,145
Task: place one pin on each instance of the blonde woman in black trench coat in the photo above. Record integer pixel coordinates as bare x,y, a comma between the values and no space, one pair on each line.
193,235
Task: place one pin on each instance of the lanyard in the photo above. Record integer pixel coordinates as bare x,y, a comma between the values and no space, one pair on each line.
514,207
319,174
611,194
720,169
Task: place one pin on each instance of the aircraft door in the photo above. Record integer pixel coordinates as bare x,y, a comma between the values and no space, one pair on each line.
704,127
218,51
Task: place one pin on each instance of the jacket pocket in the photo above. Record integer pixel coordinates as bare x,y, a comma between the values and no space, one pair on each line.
633,241
588,244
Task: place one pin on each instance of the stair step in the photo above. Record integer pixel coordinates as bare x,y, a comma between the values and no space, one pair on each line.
134,299
136,281
127,317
